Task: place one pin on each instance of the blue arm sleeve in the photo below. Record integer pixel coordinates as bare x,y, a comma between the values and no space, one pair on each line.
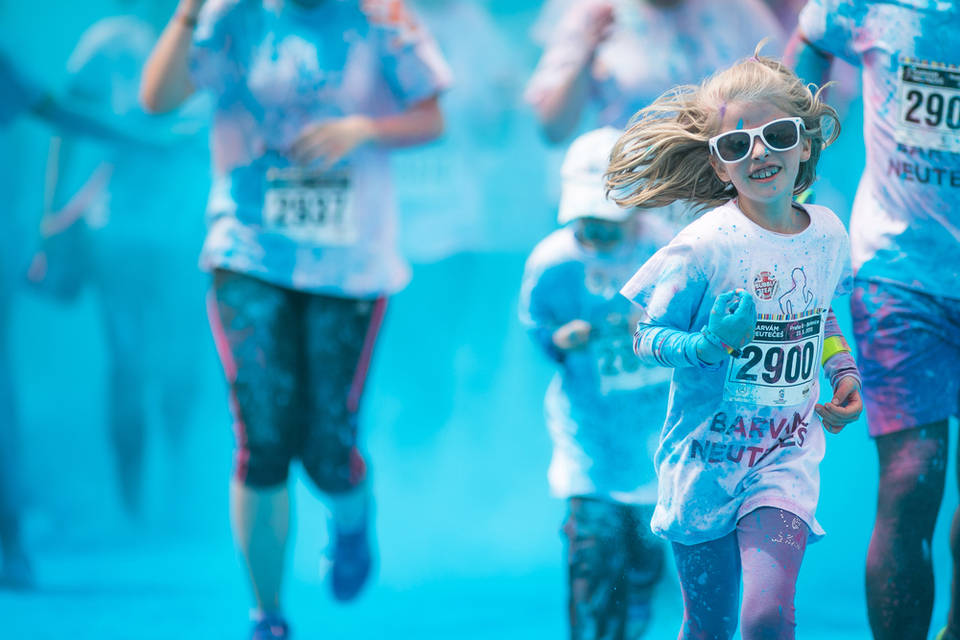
668,347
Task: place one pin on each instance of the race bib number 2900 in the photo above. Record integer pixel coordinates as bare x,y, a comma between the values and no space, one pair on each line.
310,206
782,364
929,111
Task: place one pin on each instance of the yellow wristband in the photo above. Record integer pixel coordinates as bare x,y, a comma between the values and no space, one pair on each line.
832,346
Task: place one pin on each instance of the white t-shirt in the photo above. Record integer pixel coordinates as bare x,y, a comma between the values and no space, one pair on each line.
275,68
604,408
744,435
652,49
905,224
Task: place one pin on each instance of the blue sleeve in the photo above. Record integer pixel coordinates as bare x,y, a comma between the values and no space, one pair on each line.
17,93
412,63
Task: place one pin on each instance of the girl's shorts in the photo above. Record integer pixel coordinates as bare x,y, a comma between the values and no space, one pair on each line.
296,363
908,347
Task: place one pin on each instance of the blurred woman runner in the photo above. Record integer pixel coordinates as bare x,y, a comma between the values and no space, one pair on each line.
301,240
615,57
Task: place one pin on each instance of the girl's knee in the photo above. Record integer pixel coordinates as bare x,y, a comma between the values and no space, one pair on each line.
768,623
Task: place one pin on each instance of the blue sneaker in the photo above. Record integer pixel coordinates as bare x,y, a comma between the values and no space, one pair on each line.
351,564
271,626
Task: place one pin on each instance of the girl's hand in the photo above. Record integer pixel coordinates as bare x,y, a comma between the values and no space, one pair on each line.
573,335
331,140
733,318
845,407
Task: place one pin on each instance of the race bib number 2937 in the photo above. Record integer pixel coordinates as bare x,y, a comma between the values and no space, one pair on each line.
310,206
782,364
929,111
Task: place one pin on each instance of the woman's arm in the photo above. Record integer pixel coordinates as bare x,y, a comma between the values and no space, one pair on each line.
558,107
809,63
166,80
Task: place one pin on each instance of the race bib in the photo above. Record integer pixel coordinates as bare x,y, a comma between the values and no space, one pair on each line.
620,369
929,105
782,364
310,206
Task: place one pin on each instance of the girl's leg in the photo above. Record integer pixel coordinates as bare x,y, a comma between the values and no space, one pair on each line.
772,544
900,584
710,582
255,330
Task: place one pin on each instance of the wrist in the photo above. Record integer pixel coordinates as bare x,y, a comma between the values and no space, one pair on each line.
369,130
717,342
187,13
707,352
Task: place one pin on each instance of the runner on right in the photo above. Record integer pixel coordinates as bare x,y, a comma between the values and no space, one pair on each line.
905,236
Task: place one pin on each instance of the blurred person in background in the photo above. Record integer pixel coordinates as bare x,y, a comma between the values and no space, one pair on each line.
905,239
113,221
310,96
452,231
604,408
614,57
19,96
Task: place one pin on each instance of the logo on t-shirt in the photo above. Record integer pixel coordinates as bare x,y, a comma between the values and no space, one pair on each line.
799,298
765,284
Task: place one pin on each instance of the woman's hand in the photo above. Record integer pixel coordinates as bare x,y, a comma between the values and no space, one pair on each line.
573,335
330,140
598,25
844,409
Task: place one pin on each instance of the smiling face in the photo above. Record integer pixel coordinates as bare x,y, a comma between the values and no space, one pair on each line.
765,178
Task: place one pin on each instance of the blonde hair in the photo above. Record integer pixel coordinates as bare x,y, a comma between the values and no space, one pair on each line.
664,155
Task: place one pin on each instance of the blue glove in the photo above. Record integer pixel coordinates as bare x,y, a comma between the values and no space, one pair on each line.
732,322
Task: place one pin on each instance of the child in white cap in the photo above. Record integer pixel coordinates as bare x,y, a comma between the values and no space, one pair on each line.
604,408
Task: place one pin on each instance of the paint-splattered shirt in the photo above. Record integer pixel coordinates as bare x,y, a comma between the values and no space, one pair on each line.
744,435
275,68
905,224
604,408
651,49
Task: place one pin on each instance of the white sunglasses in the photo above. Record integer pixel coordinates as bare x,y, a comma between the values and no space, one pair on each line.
778,135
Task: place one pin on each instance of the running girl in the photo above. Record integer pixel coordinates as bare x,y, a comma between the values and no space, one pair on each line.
739,304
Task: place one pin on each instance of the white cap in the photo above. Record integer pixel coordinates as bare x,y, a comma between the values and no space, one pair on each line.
583,190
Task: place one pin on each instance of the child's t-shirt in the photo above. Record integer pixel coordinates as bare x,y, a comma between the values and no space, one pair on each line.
604,408
275,68
744,435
